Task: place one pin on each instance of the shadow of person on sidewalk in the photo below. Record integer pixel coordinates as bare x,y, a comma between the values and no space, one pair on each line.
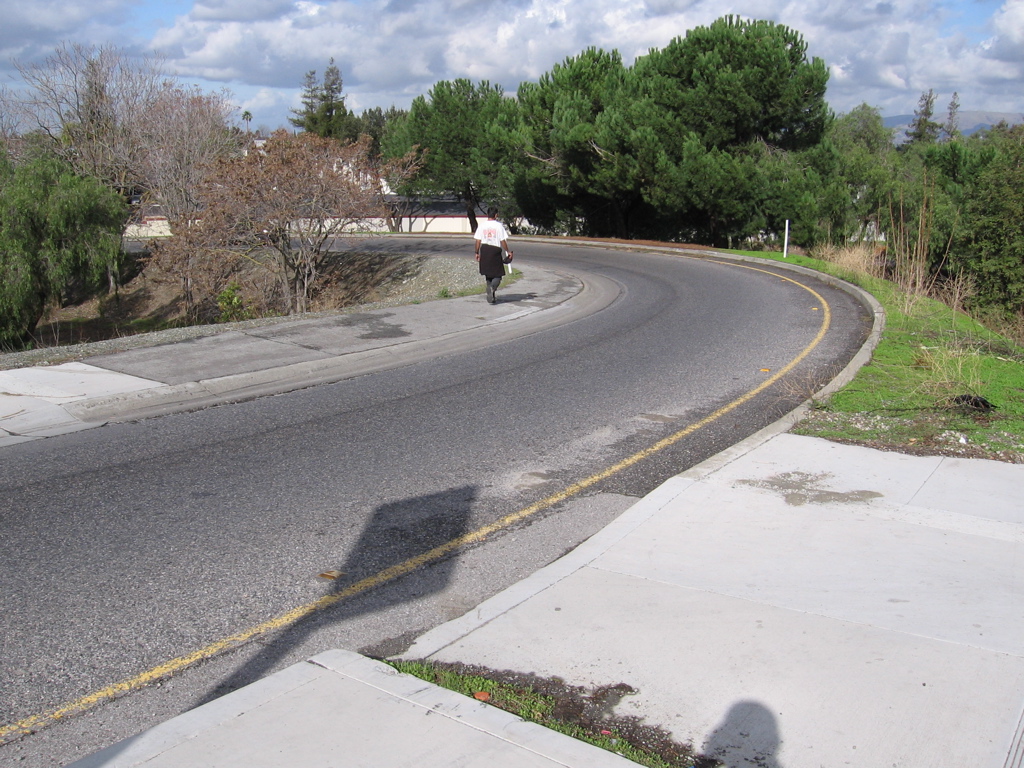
748,736
395,533
511,297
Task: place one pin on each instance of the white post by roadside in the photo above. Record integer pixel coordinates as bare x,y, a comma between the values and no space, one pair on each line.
785,243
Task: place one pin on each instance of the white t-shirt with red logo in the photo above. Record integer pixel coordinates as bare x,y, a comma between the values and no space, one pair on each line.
491,232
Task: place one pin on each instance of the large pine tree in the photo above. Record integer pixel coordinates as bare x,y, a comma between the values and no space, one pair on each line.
923,129
323,107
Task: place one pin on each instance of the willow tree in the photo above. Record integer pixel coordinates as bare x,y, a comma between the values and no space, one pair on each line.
57,228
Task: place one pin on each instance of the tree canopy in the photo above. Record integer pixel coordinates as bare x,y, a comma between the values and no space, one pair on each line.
582,155
991,236
736,82
659,149
461,132
923,129
323,107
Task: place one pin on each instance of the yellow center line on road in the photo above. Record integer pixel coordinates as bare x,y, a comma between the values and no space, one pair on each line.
36,722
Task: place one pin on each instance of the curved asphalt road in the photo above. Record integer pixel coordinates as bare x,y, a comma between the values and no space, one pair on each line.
124,547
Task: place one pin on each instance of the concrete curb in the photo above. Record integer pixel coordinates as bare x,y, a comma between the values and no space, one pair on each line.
410,698
446,634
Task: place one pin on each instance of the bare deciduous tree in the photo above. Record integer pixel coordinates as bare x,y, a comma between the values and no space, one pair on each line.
88,101
290,200
183,133
10,119
198,256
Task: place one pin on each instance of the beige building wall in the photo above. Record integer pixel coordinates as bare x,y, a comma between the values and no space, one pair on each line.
158,226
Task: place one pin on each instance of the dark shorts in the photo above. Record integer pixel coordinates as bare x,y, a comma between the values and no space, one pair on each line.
490,261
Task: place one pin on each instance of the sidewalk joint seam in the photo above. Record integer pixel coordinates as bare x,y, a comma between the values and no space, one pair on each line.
925,481
1015,757
441,708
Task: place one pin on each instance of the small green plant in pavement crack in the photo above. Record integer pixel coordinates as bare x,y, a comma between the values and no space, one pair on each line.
570,710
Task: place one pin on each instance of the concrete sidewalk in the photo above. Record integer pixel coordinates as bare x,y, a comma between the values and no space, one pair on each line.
341,709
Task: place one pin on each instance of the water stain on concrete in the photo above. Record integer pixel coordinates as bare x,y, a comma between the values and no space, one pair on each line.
799,488
533,480
377,326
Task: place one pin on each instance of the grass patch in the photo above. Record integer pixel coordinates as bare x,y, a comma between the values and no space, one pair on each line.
939,382
571,710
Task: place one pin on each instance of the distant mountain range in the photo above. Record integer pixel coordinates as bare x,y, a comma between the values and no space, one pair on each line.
968,122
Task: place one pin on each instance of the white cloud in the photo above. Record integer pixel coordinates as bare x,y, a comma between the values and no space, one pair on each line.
240,10
883,52
887,54
1008,44
34,29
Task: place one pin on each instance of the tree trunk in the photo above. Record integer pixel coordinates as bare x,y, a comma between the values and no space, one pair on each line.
287,291
621,225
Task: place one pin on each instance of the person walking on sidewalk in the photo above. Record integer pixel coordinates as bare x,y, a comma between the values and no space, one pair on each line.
491,240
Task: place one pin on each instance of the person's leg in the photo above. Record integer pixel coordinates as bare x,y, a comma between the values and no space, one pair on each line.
494,282
490,290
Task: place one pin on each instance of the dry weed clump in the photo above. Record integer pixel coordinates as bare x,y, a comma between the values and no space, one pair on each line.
1009,326
955,292
952,371
860,258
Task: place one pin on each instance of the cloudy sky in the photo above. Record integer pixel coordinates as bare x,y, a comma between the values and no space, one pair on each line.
884,53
